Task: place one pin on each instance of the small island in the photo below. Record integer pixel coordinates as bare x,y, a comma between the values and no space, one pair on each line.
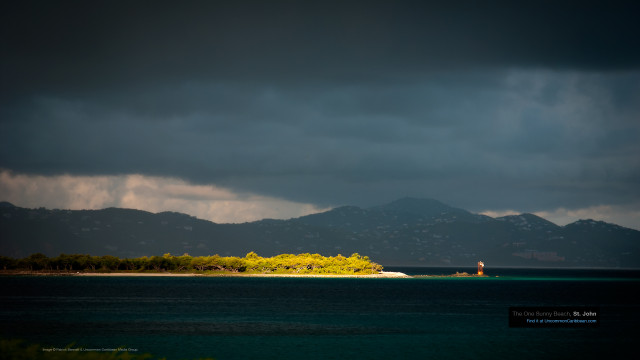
185,265
456,275
479,274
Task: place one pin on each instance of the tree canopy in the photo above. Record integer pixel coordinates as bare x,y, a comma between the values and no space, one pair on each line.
251,263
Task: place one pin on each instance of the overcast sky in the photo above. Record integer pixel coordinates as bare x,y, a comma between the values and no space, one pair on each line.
237,110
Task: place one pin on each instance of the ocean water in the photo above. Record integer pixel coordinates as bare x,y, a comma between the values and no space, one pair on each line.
319,318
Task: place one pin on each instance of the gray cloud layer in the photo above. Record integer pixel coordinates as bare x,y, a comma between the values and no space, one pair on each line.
529,105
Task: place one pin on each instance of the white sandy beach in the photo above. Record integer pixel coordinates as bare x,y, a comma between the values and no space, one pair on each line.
383,274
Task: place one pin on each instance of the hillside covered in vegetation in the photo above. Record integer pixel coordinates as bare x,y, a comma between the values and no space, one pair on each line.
407,232
252,263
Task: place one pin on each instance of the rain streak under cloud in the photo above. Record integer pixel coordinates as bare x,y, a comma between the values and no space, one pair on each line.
155,194
287,108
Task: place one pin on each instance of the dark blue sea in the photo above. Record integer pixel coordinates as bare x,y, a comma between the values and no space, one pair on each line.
320,318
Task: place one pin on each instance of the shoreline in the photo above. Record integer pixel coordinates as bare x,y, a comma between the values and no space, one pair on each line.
382,275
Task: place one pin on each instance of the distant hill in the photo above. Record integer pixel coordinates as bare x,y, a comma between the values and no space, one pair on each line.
404,232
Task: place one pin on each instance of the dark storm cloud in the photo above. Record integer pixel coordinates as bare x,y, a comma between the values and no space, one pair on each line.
484,104
72,45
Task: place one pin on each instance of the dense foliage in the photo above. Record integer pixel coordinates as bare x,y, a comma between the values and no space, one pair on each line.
251,263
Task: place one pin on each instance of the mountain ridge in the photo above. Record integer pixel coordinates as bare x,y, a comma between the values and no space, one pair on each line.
407,231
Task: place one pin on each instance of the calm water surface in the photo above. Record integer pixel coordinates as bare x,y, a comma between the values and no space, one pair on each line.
293,318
